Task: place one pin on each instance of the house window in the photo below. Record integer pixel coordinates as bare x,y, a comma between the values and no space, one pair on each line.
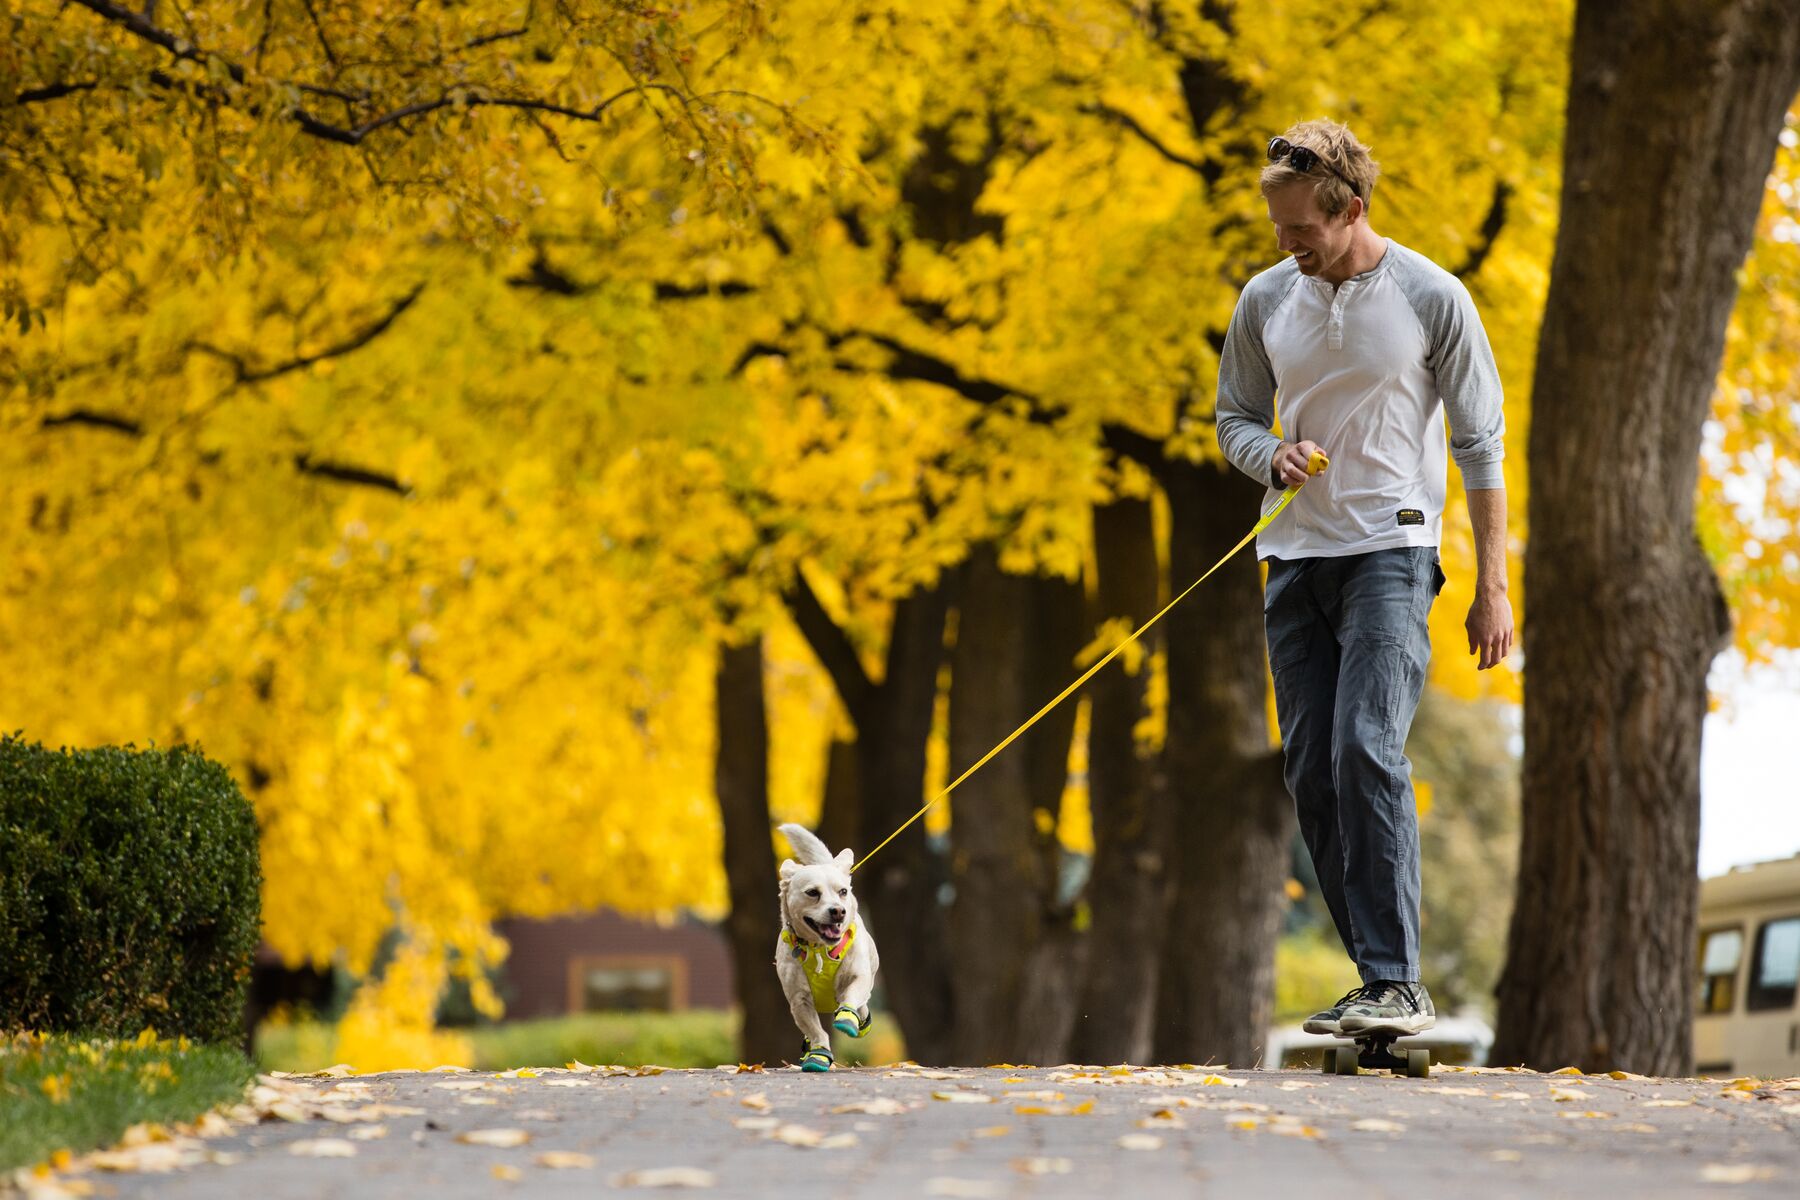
1775,969
1720,952
616,983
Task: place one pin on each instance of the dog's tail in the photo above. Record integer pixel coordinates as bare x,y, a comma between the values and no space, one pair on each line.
807,847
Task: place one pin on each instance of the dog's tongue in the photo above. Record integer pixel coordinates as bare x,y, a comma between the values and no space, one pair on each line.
831,933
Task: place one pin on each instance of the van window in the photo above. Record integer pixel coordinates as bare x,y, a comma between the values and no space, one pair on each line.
1720,952
1775,970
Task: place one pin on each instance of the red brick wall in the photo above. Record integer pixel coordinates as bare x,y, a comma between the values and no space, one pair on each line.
536,978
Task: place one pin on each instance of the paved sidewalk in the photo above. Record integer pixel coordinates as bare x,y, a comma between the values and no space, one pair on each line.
1051,1132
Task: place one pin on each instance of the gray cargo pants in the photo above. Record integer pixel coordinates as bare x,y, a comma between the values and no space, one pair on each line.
1348,646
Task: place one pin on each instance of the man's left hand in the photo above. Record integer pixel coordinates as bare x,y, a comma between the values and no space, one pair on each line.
1490,626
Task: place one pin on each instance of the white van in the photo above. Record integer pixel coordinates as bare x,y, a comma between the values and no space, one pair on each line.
1745,1019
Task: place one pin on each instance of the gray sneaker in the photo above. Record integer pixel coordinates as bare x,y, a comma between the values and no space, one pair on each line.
1326,1019
1388,1006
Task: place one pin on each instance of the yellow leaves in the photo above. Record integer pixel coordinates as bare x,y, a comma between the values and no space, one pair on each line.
960,1097
810,1139
322,1148
665,1177
1377,1125
880,1106
153,1075
57,1087
1043,1165
1279,1125
1055,1110
497,1139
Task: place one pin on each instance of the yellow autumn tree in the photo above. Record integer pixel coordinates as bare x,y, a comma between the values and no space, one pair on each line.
417,474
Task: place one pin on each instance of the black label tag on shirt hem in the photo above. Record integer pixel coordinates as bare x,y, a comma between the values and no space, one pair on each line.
1410,516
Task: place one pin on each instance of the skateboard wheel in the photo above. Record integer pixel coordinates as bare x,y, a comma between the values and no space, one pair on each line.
1345,1062
1418,1064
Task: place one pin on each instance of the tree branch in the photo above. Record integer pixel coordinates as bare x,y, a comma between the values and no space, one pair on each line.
832,647
546,278
913,364
245,374
1140,448
1131,123
346,474
1490,229
98,420
490,38
141,26
354,137
304,463
53,91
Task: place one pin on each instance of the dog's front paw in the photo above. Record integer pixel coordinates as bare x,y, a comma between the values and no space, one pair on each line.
816,1058
846,1021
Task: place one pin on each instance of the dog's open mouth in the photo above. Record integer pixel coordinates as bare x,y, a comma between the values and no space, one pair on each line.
829,933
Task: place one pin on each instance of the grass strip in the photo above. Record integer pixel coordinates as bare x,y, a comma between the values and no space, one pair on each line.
63,1092
693,1038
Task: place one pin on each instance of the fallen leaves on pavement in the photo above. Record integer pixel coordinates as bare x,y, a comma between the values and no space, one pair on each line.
1042,1166
665,1177
500,1139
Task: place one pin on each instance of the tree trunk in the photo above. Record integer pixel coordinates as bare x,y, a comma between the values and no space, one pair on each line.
1003,866
840,820
901,890
902,886
1662,182
1128,890
1233,817
741,782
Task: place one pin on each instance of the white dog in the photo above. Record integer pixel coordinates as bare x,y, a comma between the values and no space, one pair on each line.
826,956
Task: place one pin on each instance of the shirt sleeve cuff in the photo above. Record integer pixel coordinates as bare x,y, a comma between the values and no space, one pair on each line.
1481,476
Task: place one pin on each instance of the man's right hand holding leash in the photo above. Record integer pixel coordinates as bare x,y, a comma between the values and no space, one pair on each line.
1288,468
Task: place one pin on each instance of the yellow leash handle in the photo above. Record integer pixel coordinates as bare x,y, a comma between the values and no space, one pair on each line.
1315,465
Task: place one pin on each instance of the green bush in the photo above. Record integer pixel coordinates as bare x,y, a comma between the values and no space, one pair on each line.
129,892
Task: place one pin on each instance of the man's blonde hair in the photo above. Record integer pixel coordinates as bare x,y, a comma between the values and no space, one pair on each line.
1336,147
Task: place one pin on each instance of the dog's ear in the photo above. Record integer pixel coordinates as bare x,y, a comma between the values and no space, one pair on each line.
846,858
789,866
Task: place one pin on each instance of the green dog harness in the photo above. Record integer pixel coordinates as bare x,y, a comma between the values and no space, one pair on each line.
821,963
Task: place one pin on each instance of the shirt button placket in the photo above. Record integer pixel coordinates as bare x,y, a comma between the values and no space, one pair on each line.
1334,327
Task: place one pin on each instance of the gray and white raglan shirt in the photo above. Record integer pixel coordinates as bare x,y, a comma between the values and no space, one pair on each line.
1361,369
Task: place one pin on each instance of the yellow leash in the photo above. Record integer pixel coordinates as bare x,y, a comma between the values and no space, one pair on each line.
1316,464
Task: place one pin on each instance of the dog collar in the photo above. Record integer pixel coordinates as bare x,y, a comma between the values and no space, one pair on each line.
834,952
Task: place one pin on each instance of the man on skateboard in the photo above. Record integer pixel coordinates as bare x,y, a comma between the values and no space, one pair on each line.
1363,347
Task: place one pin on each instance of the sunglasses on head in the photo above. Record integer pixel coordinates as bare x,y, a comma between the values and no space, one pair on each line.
1304,160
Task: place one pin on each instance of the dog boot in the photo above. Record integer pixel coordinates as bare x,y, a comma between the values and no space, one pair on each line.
846,1021
816,1058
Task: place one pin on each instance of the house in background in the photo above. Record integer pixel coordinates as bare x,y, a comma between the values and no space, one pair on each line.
606,962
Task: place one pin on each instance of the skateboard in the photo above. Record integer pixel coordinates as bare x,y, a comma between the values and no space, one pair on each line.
1374,1051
